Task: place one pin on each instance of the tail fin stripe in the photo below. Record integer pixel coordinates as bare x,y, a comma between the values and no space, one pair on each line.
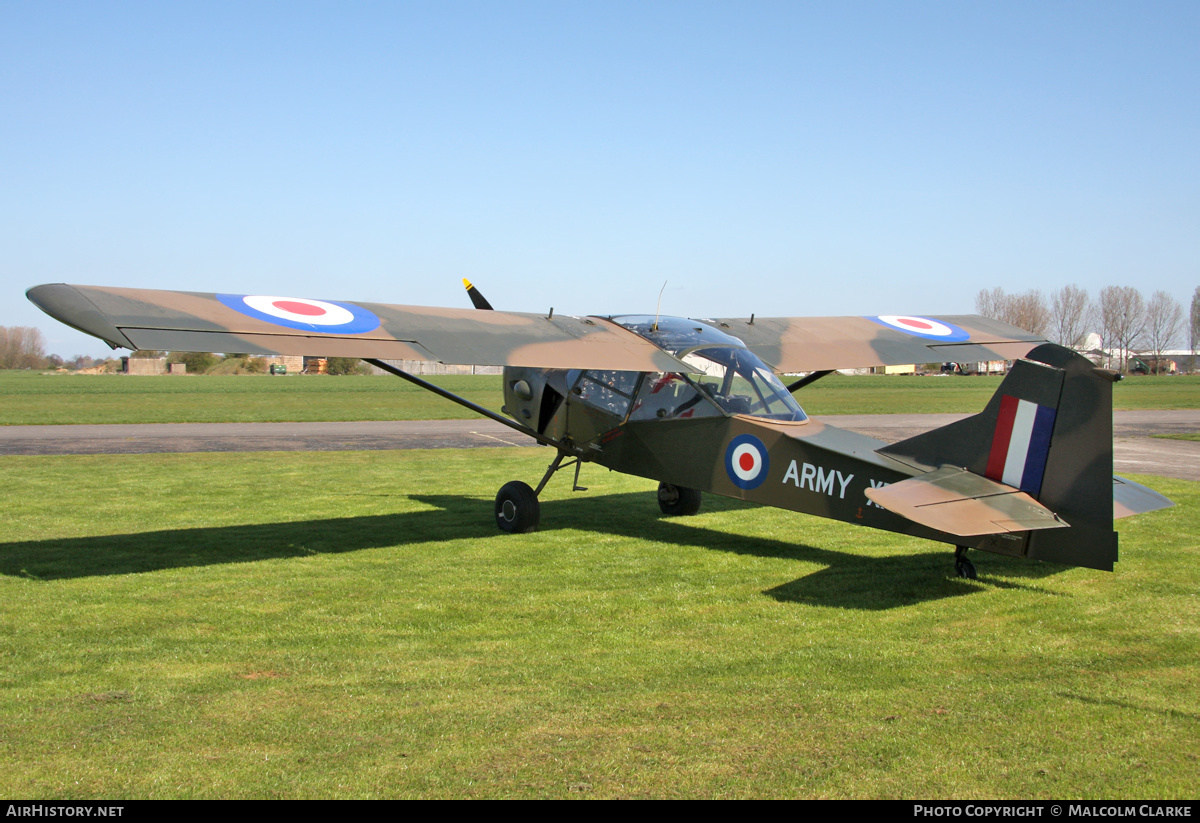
1039,450
1020,444
1004,425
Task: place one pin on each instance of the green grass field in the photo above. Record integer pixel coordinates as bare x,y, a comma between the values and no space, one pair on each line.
351,625
35,398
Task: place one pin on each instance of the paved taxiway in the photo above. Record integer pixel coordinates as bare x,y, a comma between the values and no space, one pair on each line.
1134,451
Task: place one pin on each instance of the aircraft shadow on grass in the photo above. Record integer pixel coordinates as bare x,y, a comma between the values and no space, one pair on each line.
847,580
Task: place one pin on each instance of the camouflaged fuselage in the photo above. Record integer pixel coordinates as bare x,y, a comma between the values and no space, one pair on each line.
698,405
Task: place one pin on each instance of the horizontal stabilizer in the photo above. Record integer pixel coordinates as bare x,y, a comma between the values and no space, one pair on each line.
957,502
1131,498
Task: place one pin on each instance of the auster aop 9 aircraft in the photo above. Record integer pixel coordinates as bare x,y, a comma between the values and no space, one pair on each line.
697,406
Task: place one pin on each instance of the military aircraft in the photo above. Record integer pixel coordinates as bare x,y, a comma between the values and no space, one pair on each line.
697,405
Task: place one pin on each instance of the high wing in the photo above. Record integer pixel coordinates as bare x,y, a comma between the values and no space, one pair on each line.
196,321
193,321
800,344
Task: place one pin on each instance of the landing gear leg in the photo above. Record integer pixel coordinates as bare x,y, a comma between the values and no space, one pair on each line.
517,508
962,566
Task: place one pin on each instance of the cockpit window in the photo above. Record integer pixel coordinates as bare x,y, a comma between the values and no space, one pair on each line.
675,334
608,390
670,396
730,375
740,383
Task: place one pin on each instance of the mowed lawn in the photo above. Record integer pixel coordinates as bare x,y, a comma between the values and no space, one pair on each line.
33,398
351,624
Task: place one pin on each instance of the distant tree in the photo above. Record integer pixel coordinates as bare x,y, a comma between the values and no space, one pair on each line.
22,347
147,354
1122,313
1164,322
1194,329
991,303
1027,311
1070,315
1030,313
344,365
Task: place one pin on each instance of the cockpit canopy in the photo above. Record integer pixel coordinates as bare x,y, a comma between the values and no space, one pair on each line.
729,378
676,334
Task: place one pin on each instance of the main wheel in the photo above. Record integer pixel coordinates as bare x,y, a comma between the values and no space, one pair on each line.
517,508
963,567
677,501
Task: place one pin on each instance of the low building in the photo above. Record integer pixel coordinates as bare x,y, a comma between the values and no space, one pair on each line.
433,367
143,365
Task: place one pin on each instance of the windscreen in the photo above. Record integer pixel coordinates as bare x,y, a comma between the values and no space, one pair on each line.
732,376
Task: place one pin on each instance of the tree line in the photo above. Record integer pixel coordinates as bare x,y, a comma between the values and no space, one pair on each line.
24,347
1125,321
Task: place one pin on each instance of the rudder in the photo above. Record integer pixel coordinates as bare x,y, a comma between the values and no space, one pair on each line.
1048,432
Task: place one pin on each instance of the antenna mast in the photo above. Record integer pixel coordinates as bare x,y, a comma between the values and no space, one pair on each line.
658,308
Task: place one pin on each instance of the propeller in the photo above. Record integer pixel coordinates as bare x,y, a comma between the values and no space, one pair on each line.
477,299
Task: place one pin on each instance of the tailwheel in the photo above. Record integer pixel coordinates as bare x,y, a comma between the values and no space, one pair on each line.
677,501
962,566
517,508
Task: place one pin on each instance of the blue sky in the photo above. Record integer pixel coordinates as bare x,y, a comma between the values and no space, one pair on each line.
777,158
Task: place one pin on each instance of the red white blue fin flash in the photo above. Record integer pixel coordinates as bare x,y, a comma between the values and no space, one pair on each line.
1021,444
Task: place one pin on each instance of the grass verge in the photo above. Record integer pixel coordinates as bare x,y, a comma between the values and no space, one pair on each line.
31,398
309,625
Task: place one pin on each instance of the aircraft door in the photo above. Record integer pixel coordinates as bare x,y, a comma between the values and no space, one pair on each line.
597,402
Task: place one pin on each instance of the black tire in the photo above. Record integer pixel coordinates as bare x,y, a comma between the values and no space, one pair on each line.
517,508
964,568
677,501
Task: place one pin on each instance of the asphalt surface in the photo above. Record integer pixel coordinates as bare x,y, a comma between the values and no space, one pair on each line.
1135,452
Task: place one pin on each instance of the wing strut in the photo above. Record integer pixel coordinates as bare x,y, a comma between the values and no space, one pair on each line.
811,377
462,401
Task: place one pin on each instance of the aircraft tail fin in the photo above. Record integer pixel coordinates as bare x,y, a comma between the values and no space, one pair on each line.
1047,432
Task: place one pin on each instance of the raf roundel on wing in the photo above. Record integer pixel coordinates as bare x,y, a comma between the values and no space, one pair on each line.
925,327
303,314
